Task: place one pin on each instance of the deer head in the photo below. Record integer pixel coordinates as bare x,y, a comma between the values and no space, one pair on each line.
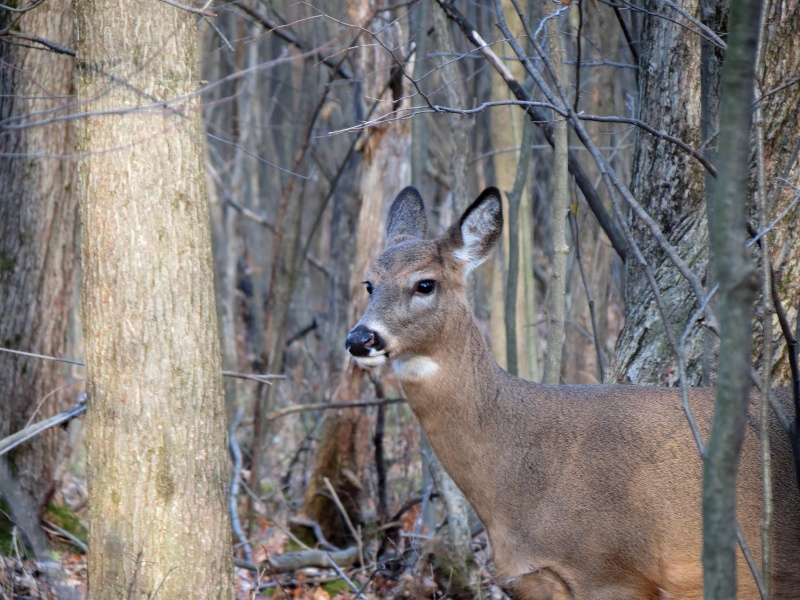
417,286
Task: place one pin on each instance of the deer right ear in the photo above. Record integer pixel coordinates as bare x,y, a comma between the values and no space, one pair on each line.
475,235
407,218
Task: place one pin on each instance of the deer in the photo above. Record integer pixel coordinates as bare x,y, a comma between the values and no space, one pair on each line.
585,491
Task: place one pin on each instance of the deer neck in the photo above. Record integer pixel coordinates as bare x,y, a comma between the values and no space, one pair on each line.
456,393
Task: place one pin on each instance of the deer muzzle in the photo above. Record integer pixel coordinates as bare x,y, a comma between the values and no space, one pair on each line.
362,341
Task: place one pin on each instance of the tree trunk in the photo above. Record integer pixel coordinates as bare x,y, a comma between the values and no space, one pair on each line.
38,236
156,432
781,114
669,185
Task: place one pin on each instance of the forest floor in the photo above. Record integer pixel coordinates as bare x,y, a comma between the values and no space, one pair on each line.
407,564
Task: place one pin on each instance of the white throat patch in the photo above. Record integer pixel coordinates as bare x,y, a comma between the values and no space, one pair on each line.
415,367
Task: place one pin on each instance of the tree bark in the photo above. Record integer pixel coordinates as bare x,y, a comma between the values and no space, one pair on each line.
669,185
38,236
156,432
737,292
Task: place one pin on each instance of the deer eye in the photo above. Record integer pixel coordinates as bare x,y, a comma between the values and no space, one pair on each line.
426,286
369,287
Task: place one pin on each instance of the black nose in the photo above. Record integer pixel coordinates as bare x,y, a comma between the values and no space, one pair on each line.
361,340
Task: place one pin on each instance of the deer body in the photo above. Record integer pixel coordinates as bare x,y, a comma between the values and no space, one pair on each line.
585,491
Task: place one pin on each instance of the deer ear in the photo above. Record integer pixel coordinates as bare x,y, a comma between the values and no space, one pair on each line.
407,218
475,235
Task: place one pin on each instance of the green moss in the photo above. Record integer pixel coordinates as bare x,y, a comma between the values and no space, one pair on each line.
65,517
335,587
7,263
6,530
165,484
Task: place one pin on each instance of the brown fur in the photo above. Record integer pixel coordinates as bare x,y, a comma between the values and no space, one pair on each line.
586,492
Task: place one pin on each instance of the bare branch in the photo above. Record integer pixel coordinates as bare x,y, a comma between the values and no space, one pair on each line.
52,46
15,439
611,229
330,406
191,9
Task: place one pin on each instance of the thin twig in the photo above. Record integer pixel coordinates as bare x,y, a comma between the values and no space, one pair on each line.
52,46
314,526
73,539
42,356
265,378
236,456
190,9
330,406
280,30
601,360
346,517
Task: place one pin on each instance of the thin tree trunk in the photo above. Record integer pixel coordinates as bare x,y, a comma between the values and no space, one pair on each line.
737,291
506,133
156,433
38,236
555,309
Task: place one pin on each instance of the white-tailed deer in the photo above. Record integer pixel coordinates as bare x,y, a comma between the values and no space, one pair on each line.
586,492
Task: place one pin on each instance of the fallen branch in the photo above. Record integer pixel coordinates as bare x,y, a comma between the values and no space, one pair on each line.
302,559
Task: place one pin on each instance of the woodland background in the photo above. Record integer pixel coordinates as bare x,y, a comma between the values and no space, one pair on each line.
308,118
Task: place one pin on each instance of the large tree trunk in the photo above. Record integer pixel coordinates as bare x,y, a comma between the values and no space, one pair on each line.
38,234
670,185
781,114
156,454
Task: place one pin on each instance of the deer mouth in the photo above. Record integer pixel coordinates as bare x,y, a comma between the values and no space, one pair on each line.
367,362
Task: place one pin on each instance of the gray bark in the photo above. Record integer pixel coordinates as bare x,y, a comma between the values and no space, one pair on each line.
669,185
38,237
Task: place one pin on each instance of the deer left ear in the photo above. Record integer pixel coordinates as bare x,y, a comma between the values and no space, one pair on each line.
473,238
407,218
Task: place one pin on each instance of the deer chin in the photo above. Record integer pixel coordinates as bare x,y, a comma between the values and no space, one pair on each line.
367,362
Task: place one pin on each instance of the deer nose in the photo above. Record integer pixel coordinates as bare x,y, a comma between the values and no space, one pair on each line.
361,340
